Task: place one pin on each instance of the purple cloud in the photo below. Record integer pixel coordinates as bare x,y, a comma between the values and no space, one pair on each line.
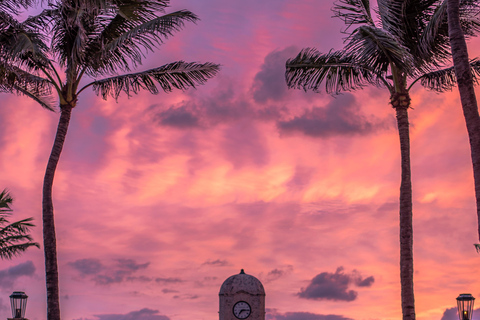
273,315
218,262
130,264
452,314
168,280
8,276
367,282
340,117
269,82
102,275
334,286
143,314
87,266
181,118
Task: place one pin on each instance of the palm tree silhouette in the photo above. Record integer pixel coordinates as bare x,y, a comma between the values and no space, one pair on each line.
406,44
89,40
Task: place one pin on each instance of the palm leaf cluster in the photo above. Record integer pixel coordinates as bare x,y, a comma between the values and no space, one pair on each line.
96,38
14,237
401,39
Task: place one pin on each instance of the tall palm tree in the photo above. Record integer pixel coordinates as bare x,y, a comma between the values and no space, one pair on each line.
89,40
465,80
14,237
408,43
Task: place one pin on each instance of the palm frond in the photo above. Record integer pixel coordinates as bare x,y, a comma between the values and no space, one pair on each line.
445,79
70,30
14,237
9,251
123,42
433,47
336,69
11,75
376,48
129,9
42,21
390,13
14,79
14,6
44,100
353,12
15,229
469,17
5,202
433,44
177,75
20,44
406,19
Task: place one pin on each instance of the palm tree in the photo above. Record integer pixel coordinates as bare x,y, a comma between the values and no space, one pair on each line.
465,80
88,40
408,43
14,237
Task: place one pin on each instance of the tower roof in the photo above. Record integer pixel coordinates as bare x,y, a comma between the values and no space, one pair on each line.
242,282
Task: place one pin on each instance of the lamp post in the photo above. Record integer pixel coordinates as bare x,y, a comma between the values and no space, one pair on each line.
18,301
465,306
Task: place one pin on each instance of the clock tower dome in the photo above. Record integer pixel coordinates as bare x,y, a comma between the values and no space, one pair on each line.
242,297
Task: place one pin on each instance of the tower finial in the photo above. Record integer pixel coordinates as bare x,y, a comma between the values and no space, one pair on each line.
242,272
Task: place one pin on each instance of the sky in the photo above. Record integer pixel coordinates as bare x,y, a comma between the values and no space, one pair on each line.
160,198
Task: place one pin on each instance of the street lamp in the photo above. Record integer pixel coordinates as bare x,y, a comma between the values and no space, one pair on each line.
18,300
465,306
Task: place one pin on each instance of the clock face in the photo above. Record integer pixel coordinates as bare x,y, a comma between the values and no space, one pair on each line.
241,310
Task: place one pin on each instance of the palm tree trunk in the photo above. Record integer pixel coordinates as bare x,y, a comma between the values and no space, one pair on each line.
401,103
49,238
467,93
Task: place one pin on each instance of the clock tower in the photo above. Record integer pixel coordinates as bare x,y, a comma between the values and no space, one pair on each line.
242,297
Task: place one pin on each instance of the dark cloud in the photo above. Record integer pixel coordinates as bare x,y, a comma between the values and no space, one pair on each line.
367,282
87,266
273,315
451,314
218,262
104,280
8,276
186,297
180,117
122,270
277,273
334,286
130,264
140,279
168,280
269,82
144,314
223,106
340,117
169,291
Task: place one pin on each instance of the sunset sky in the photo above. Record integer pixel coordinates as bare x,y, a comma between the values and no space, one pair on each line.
159,198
